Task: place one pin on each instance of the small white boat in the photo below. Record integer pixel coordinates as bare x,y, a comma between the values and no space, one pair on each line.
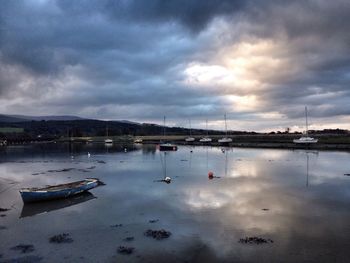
225,140
138,140
206,138
107,140
305,139
190,138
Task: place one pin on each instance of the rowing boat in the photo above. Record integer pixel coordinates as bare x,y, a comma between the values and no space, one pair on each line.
57,191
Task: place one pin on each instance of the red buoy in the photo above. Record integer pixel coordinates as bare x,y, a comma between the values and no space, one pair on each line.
210,175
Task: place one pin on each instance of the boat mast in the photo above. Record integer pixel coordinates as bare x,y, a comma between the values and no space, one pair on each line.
190,128
164,128
225,125
206,126
306,124
307,170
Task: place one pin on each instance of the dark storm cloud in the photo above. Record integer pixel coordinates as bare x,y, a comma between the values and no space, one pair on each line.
195,14
94,57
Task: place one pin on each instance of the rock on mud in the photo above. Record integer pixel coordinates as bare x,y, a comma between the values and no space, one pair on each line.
117,225
129,239
61,238
157,234
254,240
125,250
25,259
24,248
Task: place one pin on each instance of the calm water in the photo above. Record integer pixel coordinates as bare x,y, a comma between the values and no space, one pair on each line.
298,199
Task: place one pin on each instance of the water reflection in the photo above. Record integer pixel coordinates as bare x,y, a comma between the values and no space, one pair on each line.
32,209
292,197
309,154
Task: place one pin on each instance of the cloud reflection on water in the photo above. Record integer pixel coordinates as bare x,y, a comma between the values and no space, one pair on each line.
206,216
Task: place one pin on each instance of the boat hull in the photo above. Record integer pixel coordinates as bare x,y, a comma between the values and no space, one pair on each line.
38,195
298,141
225,141
167,147
205,140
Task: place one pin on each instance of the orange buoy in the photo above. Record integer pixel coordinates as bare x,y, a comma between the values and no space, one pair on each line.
210,175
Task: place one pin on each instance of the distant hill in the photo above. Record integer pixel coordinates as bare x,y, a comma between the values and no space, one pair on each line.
24,118
86,127
8,118
48,118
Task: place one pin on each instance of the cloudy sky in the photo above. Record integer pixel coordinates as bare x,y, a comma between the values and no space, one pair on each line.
259,61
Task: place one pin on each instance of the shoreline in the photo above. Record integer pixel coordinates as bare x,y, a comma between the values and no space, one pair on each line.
238,141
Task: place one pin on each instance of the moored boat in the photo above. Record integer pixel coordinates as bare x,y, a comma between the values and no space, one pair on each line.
225,140
138,140
306,139
190,138
206,138
166,146
108,140
57,191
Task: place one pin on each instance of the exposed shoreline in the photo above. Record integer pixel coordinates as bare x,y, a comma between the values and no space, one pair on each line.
277,141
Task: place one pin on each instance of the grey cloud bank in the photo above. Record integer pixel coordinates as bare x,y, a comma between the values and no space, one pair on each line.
259,61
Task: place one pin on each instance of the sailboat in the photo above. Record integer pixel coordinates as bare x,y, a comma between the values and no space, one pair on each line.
166,146
107,140
190,138
305,139
225,140
206,138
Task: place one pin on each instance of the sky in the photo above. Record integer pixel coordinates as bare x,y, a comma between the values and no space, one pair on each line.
260,62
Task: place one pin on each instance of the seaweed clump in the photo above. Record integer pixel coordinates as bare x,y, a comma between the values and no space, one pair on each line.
24,248
125,250
157,234
61,238
255,240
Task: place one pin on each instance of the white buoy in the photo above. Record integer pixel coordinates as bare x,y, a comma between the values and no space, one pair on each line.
89,155
125,150
167,179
